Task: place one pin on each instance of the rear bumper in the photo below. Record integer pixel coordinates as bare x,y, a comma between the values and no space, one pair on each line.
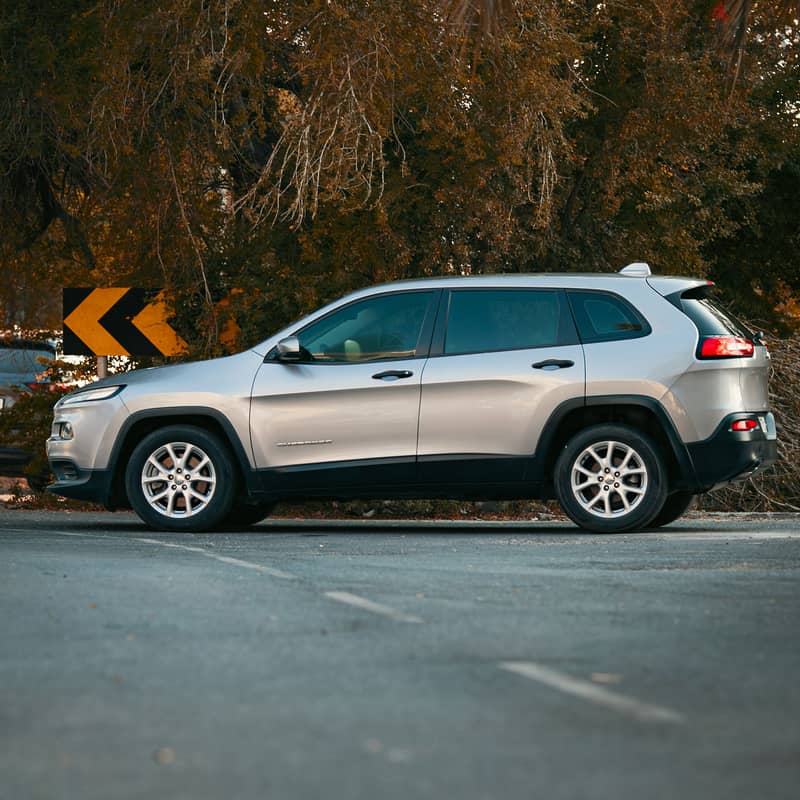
729,455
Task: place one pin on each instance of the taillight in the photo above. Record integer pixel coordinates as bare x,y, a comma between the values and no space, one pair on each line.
744,425
726,347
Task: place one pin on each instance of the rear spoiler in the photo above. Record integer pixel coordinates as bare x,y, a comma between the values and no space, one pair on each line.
667,286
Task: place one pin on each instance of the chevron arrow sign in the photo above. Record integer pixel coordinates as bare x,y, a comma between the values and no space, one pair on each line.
119,322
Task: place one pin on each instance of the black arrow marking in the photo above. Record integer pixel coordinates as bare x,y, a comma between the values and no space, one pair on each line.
117,321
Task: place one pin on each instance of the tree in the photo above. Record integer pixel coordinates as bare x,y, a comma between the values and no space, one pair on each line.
296,150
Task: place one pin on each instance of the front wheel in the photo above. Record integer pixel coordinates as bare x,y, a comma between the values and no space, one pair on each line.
610,479
181,478
245,515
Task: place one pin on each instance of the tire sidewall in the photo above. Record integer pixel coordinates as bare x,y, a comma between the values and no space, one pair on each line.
225,489
653,500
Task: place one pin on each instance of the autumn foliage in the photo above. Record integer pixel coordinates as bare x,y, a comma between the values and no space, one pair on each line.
296,149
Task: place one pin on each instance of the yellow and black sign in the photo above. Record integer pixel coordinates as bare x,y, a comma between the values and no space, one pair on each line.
119,322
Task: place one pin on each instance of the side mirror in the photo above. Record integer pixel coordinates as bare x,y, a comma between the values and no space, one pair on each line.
289,349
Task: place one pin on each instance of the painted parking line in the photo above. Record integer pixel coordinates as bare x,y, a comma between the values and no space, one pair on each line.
236,562
628,706
368,605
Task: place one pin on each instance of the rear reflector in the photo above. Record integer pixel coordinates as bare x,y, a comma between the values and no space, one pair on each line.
744,425
726,347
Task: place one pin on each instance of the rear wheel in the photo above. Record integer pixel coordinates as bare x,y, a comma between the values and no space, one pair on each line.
675,506
610,479
181,478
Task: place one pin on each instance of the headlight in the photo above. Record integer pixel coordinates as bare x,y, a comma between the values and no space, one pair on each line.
89,395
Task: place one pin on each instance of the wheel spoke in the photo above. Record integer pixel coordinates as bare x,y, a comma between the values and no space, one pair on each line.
157,466
638,490
593,501
593,451
197,467
188,503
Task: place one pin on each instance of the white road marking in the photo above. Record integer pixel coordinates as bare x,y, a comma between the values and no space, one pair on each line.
236,562
723,536
368,605
629,706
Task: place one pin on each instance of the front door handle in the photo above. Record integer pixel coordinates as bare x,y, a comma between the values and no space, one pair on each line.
393,374
553,363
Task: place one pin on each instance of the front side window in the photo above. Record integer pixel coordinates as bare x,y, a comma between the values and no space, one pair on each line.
606,317
485,320
378,328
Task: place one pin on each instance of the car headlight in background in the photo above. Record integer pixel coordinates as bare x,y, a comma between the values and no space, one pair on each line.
90,395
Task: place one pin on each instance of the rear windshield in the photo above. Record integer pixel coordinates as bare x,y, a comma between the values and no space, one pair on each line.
711,319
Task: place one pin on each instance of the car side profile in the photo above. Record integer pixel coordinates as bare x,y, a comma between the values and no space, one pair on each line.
623,396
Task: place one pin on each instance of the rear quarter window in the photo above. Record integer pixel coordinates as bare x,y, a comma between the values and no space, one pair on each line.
606,317
711,319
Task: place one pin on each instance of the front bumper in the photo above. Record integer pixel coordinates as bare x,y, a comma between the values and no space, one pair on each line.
93,485
729,456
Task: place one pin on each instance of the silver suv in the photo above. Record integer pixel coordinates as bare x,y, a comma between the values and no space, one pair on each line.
621,395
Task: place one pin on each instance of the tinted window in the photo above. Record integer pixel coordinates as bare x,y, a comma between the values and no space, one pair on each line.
387,326
711,320
604,317
481,320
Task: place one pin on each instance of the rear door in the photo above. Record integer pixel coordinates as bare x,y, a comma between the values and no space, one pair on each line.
502,361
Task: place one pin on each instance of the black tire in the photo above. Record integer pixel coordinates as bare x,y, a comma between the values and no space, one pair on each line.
675,506
640,482
208,494
244,515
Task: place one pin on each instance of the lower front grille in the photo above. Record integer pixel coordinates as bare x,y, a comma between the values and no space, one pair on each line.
65,471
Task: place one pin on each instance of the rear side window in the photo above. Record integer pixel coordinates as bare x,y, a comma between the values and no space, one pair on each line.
486,320
606,317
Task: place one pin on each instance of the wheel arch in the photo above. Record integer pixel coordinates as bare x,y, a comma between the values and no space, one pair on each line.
142,423
644,414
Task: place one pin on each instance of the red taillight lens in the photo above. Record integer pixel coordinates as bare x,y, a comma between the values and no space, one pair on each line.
744,425
726,347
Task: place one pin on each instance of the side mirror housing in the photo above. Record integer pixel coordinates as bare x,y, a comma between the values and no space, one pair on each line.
289,349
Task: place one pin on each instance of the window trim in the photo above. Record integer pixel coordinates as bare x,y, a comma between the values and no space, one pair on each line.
442,323
421,350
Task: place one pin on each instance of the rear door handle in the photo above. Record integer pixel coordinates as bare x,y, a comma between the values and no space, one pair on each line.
553,363
393,374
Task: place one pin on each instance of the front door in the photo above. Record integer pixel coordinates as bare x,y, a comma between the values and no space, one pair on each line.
347,414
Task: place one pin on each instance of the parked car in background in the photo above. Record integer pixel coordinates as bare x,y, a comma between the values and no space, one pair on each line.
621,395
20,373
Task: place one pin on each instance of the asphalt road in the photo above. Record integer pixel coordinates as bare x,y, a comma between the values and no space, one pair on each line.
376,661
